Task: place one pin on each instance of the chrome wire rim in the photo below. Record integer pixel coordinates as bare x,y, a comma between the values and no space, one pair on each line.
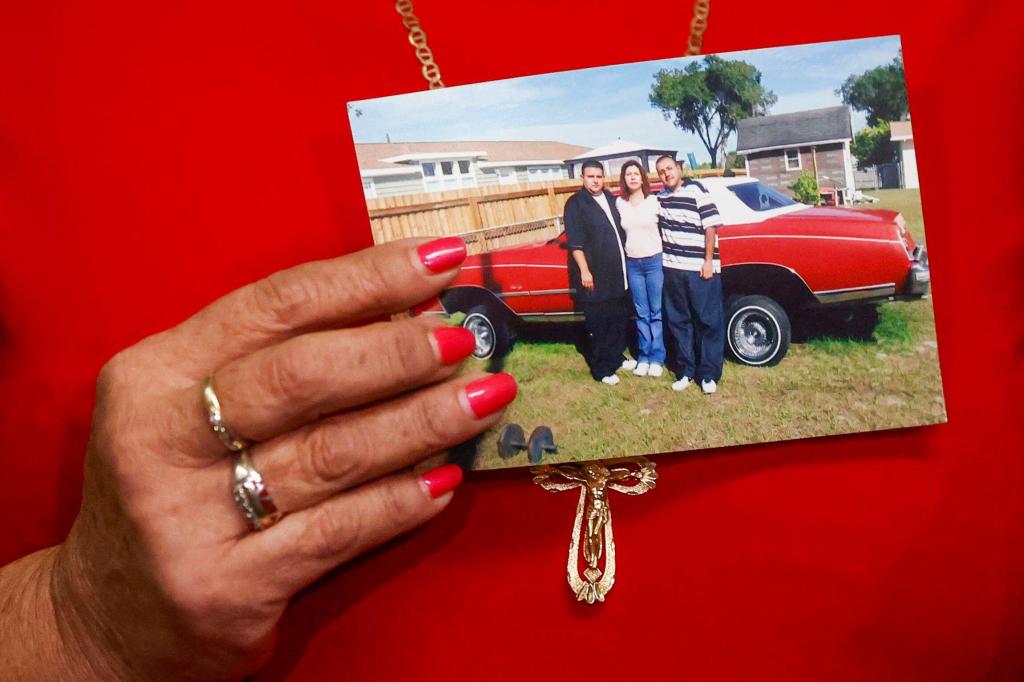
755,335
483,331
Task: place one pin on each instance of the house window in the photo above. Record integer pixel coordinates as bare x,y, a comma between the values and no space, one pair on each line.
506,176
369,189
541,174
793,160
439,176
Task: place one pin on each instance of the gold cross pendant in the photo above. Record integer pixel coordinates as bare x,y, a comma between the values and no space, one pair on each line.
633,476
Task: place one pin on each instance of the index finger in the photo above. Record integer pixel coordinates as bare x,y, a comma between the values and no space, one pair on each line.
330,293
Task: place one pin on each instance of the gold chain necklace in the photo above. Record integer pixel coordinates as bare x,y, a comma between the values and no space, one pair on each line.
432,72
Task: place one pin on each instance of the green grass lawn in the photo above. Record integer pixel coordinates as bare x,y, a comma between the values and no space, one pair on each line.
825,385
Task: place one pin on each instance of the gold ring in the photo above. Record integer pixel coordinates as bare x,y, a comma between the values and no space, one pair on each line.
216,419
251,495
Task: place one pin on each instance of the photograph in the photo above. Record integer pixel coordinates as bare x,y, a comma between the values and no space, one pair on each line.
674,255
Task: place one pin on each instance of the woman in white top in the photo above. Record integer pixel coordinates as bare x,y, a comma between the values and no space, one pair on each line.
639,211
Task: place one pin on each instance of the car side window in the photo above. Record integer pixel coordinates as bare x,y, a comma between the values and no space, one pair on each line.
760,197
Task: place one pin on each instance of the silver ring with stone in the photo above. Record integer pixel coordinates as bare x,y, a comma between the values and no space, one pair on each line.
216,419
251,495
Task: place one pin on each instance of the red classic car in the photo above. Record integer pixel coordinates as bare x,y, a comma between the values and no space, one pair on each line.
779,258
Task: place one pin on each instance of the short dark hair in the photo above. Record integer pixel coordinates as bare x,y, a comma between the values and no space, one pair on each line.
666,156
592,164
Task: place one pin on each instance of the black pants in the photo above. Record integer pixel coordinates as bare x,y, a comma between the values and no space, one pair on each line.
696,322
607,323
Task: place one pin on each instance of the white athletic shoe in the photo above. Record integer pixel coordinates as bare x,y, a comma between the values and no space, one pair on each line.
611,380
628,365
654,370
642,369
708,386
681,384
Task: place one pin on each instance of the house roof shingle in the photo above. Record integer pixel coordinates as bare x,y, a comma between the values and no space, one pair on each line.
370,154
800,127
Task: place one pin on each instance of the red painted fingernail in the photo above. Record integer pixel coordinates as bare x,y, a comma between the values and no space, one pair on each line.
454,343
442,254
487,396
443,479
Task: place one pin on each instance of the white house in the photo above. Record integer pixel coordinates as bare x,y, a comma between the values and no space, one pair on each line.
392,168
901,133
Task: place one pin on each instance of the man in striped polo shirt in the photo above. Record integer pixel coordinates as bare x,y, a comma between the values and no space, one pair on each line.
692,293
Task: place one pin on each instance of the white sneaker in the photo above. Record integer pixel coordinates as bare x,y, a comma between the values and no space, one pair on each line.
654,370
708,386
681,384
611,380
628,365
642,369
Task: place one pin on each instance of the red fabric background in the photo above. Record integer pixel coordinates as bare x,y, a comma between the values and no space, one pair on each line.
155,156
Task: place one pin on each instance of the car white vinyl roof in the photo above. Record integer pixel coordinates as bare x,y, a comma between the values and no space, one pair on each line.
725,182
733,210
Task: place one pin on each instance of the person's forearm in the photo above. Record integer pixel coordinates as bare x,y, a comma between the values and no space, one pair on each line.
709,245
581,261
32,646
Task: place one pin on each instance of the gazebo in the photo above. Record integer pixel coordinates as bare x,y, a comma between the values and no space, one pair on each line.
613,155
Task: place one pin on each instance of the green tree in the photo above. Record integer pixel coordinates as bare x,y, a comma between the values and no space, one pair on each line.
709,98
734,160
880,92
806,189
872,146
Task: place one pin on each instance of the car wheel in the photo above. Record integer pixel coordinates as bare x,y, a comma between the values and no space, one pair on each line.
493,333
757,331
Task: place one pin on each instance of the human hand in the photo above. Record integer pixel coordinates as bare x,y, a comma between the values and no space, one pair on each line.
707,270
161,576
587,280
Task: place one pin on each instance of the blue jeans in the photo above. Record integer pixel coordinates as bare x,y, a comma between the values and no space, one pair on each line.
646,279
696,320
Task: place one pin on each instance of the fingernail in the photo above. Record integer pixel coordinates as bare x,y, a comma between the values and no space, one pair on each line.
454,344
442,254
487,396
442,480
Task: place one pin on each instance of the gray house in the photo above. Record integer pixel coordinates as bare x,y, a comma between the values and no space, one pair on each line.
394,168
780,148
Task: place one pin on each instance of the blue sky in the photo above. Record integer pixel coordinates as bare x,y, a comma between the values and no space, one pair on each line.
594,107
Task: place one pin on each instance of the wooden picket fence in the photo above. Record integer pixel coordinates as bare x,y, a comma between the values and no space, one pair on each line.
487,217
497,237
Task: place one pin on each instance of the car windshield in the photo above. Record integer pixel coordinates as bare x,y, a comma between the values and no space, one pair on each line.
760,196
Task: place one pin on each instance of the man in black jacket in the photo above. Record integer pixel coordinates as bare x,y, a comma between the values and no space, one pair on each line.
597,271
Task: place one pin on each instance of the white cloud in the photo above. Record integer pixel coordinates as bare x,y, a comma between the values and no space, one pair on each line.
646,127
455,101
802,101
832,61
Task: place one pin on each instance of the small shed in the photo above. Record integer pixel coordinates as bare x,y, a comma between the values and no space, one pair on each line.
781,147
902,134
613,156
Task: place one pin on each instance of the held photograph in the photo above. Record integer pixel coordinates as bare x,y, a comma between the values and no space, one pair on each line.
674,255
